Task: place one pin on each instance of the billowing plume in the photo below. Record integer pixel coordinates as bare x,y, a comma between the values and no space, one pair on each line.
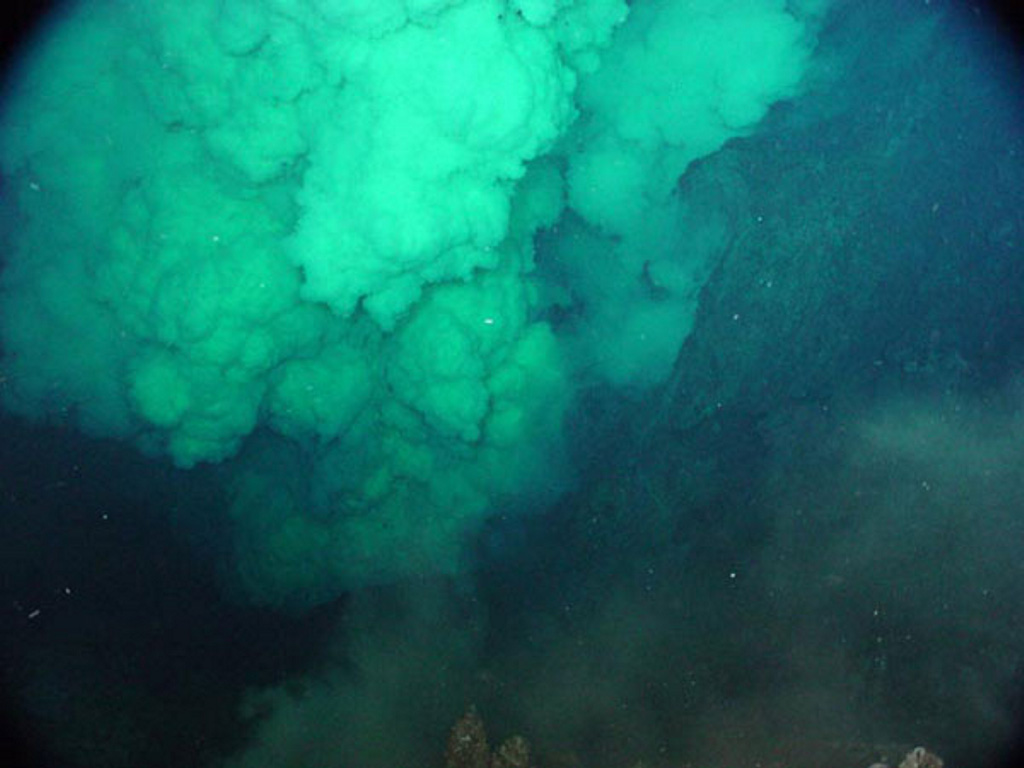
299,238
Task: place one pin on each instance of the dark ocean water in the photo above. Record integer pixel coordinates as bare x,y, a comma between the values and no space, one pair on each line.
800,547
